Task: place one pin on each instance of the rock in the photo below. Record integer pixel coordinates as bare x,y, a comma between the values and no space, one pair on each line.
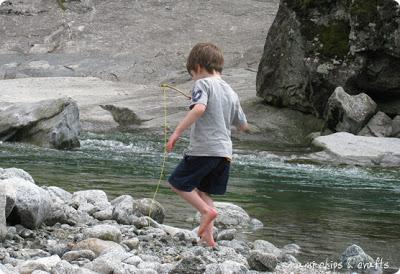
266,247
227,267
123,209
308,52
348,113
49,123
240,247
229,215
147,206
75,255
190,264
57,192
111,262
63,267
104,232
227,234
31,205
45,264
98,246
346,148
261,261
396,126
355,258
378,126
3,227
132,243
91,201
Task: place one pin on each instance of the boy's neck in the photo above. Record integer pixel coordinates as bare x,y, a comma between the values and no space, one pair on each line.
203,73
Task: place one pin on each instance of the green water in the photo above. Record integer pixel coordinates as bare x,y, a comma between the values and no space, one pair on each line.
321,208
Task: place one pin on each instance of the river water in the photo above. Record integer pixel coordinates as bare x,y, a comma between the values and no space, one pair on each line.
322,208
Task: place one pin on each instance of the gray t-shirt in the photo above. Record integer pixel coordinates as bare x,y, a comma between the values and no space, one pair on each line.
211,134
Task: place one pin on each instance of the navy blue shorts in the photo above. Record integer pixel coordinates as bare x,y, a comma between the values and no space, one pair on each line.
207,174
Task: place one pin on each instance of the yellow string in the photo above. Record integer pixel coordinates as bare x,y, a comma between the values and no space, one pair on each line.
164,89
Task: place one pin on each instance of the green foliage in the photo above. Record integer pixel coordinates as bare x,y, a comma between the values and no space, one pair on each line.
365,11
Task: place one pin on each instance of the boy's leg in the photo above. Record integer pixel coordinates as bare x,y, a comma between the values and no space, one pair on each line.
208,213
207,235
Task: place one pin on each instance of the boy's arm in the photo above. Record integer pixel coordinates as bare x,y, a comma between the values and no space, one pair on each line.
195,113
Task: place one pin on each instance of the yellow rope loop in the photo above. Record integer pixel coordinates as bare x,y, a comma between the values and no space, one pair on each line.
164,89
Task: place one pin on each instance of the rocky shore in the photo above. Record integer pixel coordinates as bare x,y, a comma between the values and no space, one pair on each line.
49,230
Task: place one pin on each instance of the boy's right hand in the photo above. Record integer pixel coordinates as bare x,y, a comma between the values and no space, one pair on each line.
171,141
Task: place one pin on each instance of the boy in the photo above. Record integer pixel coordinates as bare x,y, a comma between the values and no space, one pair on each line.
214,107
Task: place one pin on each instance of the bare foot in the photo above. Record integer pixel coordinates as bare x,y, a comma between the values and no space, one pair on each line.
208,239
206,219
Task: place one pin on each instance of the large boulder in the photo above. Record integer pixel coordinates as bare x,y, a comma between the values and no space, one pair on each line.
346,148
378,126
32,203
49,123
355,258
348,113
314,46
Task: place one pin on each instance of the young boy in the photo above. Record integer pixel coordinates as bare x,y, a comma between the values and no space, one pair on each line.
214,107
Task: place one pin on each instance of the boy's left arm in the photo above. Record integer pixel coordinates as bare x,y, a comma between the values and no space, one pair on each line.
193,115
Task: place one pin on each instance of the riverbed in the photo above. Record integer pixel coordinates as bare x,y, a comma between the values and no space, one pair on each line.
322,208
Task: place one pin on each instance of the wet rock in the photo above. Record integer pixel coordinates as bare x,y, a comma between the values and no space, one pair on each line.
148,207
49,123
261,261
98,246
378,126
104,232
346,148
354,257
348,113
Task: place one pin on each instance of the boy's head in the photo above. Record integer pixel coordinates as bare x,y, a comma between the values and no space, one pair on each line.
207,56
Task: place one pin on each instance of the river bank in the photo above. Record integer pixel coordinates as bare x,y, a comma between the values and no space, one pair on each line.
84,232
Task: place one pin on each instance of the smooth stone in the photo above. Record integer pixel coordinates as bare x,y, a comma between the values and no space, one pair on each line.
104,232
98,246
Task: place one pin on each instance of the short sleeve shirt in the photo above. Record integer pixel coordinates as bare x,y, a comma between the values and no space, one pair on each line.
211,134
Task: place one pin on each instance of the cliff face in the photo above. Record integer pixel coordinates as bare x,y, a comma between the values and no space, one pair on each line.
314,46
137,41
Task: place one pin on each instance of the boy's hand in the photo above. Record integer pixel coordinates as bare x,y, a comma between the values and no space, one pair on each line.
171,141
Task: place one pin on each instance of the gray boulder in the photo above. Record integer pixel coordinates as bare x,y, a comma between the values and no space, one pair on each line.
348,113
346,148
147,206
123,211
92,202
3,227
354,257
378,126
32,203
261,261
396,126
266,247
227,267
49,123
63,267
229,215
314,46
45,264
